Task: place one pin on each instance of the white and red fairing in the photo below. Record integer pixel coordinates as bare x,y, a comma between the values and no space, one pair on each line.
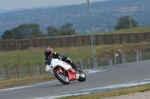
70,71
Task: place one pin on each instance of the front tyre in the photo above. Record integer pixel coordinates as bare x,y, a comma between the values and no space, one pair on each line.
82,77
61,77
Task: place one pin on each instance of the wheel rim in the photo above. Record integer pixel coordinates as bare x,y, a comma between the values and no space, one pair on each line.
63,77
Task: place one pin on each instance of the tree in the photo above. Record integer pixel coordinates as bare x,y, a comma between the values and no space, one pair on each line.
126,22
67,29
6,35
19,32
52,31
22,32
34,30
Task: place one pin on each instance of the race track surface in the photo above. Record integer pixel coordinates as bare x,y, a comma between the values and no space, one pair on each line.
98,77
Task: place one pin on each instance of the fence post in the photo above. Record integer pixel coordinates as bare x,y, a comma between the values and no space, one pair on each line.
123,57
17,69
140,55
114,56
107,58
7,75
89,63
81,63
29,73
137,54
40,70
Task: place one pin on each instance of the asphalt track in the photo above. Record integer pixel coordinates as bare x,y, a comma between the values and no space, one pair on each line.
104,76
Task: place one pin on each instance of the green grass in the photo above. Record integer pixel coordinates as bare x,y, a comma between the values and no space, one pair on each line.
123,31
95,95
21,57
33,56
111,93
25,80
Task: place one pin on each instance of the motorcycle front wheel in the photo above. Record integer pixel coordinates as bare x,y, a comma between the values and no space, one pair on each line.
61,77
82,77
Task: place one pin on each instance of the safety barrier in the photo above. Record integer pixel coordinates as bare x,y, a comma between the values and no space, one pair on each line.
74,41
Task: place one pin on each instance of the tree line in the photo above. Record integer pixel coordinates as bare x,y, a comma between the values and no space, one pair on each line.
25,31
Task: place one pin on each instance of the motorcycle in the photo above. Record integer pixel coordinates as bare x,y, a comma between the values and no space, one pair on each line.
64,72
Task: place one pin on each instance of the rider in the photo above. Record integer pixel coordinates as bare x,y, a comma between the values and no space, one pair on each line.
49,53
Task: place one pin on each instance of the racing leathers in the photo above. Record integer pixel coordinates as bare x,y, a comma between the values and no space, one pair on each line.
60,57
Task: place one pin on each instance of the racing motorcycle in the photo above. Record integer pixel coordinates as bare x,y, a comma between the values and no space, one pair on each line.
64,71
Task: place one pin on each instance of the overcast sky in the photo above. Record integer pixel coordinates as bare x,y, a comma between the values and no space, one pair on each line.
13,4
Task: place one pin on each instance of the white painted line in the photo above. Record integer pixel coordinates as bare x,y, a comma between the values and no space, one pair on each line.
99,89
21,87
14,88
37,84
93,71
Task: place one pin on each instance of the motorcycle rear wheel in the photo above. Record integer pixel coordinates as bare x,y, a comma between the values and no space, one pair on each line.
62,78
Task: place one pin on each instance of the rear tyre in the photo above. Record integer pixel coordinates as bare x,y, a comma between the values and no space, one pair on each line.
61,77
82,77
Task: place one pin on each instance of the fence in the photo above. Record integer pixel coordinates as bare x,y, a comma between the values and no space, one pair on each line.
74,41
115,58
17,71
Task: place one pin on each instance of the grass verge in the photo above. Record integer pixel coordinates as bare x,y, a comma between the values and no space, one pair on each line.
95,95
123,31
111,93
26,80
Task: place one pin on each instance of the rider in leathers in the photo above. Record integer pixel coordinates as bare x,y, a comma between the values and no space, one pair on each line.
49,53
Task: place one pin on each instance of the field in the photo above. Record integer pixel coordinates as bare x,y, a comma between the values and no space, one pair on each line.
33,56
123,31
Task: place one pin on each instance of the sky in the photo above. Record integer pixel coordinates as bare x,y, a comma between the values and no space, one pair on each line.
15,4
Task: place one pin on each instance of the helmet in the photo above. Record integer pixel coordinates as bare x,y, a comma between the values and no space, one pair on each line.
48,51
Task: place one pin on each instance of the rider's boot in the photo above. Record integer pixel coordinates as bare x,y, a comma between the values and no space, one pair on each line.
78,70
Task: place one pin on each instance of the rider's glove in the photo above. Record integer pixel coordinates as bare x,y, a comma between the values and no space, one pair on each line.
69,59
60,57
64,57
